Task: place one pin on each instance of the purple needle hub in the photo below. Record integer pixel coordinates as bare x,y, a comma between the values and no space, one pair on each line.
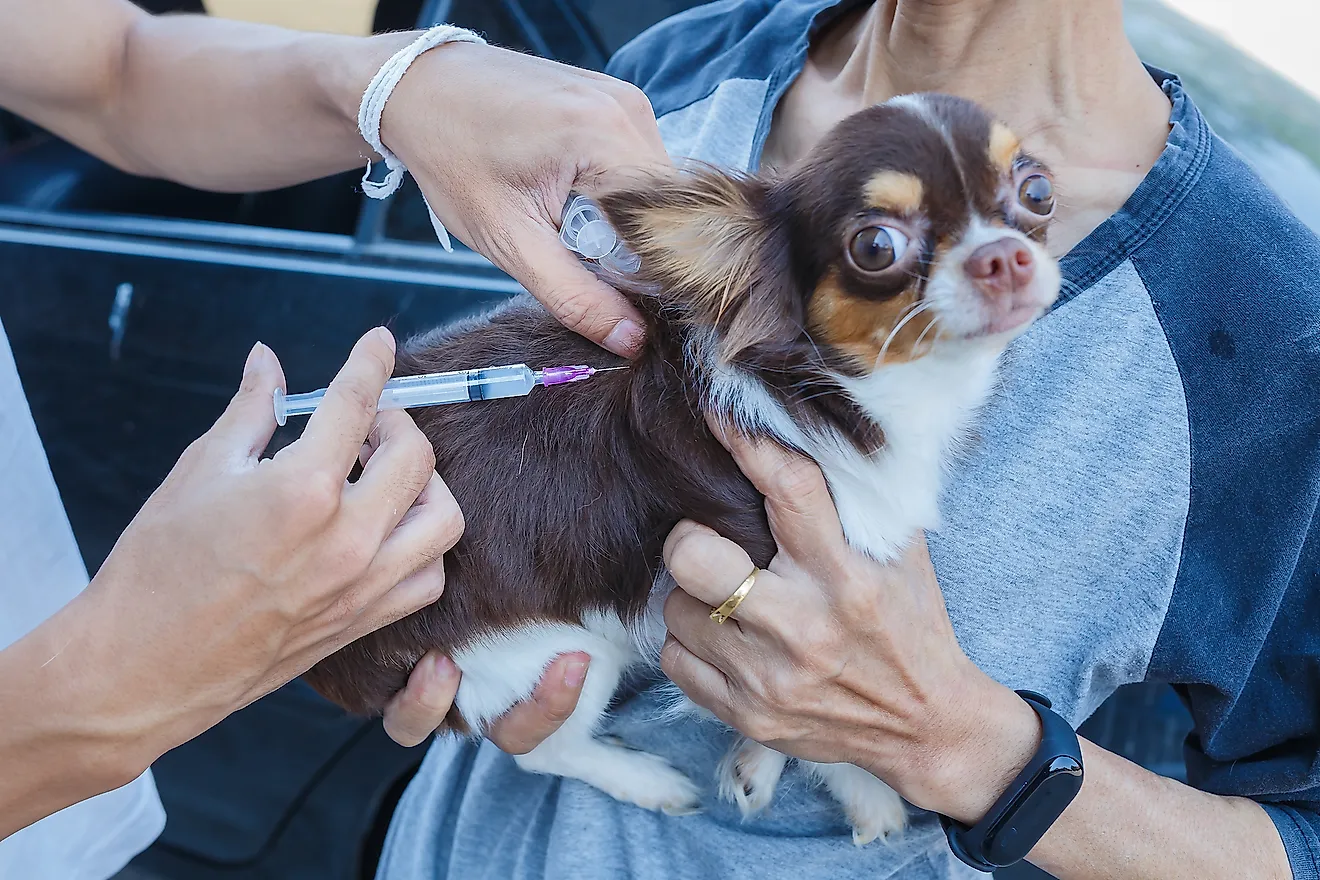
562,375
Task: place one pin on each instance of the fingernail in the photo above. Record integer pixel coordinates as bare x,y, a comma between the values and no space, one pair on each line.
386,336
626,338
575,674
255,357
443,667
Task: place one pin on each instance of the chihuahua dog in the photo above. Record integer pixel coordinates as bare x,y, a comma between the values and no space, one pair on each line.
852,308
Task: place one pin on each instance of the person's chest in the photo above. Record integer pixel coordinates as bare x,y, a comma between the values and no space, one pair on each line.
1063,522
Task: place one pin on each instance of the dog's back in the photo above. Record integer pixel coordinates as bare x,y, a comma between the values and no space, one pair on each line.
567,494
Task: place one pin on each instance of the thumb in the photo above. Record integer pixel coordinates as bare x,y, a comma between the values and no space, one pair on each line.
803,518
572,293
248,423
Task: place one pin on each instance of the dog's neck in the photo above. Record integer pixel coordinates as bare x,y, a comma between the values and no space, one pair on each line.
924,407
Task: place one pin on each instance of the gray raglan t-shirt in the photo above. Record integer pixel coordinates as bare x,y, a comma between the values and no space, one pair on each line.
1140,505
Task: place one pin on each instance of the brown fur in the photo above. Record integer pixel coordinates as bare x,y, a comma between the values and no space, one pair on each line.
850,324
569,492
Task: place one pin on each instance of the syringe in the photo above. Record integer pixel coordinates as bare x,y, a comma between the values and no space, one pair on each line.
457,386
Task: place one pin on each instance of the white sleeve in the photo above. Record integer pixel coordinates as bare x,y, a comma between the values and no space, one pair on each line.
42,571
92,840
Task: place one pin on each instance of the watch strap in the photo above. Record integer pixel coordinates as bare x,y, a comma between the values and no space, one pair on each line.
997,841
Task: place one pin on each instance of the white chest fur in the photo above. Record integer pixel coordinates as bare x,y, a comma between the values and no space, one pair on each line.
924,407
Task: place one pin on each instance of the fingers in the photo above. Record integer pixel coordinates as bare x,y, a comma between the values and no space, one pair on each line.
248,422
704,684
721,646
527,724
420,708
413,593
334,433
710,568
576,297
429,528
802,514
398,463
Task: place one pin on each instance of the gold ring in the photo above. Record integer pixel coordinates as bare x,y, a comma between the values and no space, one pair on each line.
725,611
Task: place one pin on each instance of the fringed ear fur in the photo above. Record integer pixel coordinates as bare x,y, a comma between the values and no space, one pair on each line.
709,247
715,250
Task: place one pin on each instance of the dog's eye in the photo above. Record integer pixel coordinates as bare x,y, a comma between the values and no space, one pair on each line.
1037,195
876,248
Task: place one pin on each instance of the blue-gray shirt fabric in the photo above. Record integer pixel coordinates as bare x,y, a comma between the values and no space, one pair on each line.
1140,505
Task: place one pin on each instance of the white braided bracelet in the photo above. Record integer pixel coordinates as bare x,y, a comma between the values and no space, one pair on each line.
373,105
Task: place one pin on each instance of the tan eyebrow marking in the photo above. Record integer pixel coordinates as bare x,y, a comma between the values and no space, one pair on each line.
1004,147
894,191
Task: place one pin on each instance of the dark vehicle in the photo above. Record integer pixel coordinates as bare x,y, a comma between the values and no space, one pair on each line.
139,300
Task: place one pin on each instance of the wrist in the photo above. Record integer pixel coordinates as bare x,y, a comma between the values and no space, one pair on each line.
982,750
345,75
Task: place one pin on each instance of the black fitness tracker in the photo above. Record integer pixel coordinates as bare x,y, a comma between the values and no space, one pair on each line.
1037,797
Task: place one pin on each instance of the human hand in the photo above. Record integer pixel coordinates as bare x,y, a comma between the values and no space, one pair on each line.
496,140
836,658
418,710
239,574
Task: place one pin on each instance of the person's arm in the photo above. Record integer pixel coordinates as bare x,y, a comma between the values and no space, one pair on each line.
495,139
236,576
836,658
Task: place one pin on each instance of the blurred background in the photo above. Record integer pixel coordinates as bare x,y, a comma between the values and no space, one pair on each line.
131,303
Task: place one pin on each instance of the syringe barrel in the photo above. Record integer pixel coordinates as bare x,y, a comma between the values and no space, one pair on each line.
458,386
584,230
405,392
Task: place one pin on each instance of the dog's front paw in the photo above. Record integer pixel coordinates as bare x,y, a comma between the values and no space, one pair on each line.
876,818
874,810
748,776
650,782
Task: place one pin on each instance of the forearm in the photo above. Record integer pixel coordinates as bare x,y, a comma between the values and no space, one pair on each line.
212,103
56,745
1130,824
232,106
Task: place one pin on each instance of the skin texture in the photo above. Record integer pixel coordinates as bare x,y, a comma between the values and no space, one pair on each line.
231,106
834,658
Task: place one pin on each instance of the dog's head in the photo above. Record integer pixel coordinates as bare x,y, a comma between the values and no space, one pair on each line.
915,227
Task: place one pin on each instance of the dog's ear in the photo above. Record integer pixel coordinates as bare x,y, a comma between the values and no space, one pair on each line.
710,248
716,250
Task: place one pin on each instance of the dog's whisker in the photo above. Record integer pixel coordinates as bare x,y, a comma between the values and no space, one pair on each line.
884,347
933,321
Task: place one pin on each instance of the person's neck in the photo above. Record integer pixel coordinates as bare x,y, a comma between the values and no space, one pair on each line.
1060,73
